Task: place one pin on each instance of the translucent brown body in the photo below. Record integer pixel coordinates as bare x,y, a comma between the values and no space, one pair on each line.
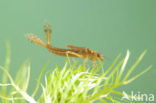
72,51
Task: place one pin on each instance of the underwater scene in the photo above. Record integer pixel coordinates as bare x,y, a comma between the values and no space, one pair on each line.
77,51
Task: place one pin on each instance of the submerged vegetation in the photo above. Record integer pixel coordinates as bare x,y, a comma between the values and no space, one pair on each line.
69,84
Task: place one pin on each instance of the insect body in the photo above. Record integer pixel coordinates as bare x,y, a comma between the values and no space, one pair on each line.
72,51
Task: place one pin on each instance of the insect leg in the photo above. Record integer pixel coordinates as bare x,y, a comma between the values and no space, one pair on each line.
84,62
76,54
68,58
94,62
72,53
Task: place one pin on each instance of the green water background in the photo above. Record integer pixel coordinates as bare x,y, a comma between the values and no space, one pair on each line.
108,26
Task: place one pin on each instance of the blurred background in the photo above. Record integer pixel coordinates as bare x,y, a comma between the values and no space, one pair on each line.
107,26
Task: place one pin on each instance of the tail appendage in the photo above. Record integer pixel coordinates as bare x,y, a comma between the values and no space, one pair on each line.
36,40
47,30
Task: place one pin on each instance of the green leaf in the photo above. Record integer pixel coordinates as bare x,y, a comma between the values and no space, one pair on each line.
23,76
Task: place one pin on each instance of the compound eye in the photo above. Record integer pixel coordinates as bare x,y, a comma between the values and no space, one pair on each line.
98,55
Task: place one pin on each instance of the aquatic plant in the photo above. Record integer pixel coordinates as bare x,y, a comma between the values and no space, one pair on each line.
71,84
